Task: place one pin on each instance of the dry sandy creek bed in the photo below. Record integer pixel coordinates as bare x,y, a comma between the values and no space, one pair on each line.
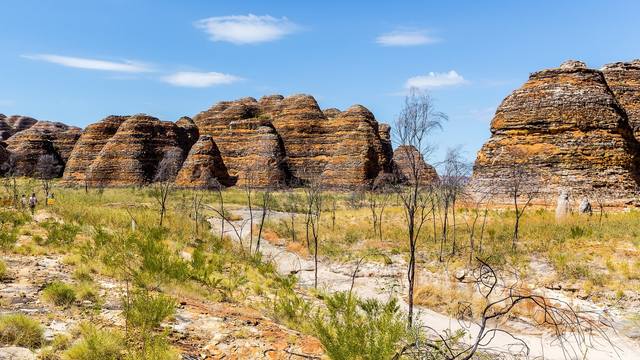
380,281
208,330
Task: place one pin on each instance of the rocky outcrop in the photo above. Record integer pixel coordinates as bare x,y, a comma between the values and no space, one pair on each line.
204,167
249,145
565,127
293,141
42,138
14,124
410,165
132,154
356,152
88,147
623,78
4,158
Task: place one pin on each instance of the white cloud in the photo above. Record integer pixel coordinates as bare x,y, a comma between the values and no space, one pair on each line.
246,29
406,38
92,64
199,79
435,80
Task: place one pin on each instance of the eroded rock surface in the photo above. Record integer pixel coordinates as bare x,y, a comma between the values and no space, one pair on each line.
294,141
42,138
566,127
93,139
13,124
410,164
204,167
132,155
249,145
623,79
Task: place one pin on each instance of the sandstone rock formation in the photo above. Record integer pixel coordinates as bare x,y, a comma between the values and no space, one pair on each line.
93,139
624,81
250,147
41,138
203,165
4,157
410,165
13,124
132,154
295,141
566,127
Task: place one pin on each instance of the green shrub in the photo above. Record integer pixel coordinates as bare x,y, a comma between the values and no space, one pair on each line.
3,270
20,330
290,309
155,348
359,329
59,294
87,290
96,344
351,236
576,232
146,310
54,350
8,238
60,234
82,273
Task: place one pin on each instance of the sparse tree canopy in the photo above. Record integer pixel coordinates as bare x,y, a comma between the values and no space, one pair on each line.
418,118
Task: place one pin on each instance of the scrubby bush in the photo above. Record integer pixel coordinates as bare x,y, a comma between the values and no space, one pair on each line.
146,310
8,238
291,309
59,294
53,351
96,344
156,348
82,273
352,328
60,234
3,270
87,291
20,330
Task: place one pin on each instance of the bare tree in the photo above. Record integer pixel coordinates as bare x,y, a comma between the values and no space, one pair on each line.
599,196
417,119
265,205
291,207
8,169
377,202
47,168
313,198
478,200
521,185
164,179
453,182
197,200
334,207
249,187
575,331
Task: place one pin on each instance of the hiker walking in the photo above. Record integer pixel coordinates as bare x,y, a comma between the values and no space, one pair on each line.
33,201
23,201
51,199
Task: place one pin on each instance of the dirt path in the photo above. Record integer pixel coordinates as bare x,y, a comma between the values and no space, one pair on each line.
378,281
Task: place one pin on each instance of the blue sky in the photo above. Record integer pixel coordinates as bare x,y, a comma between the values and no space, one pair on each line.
79,61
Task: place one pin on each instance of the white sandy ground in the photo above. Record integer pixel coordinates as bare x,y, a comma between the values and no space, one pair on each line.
379,282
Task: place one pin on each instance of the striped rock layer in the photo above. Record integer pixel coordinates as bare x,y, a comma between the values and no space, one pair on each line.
571,129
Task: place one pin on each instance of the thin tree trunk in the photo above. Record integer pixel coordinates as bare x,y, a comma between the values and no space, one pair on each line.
250,221
453,214
412,267
264,214
484,221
